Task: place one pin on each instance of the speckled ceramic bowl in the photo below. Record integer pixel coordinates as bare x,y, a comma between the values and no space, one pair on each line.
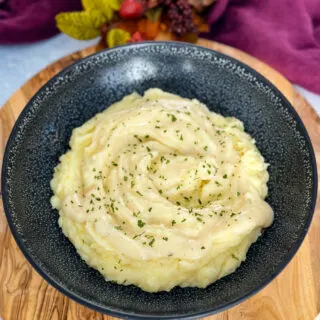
227,86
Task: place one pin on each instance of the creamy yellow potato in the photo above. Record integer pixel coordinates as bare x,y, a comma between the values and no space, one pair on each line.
157,191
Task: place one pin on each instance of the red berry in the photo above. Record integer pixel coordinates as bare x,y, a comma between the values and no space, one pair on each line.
131,9
136,37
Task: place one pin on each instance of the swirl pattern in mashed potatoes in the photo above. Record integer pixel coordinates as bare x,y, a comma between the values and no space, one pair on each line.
157,191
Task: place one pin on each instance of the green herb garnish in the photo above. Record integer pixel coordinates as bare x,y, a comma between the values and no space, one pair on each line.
140,223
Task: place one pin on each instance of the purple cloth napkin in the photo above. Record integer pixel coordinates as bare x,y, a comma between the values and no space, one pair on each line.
285,34
24,21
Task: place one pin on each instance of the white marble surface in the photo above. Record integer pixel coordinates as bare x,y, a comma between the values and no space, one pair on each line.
18,63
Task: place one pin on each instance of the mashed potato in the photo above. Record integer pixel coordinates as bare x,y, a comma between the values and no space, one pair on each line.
157,191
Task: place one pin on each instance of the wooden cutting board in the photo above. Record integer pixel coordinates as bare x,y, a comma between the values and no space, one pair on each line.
293,295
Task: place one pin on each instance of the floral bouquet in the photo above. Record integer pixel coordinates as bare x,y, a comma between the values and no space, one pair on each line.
121,21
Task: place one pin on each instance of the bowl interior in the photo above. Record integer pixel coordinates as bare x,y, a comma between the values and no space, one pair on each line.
228,87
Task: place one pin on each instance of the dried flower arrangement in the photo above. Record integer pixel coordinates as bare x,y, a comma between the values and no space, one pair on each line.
121,21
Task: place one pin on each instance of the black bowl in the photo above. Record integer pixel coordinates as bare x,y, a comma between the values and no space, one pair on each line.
42,132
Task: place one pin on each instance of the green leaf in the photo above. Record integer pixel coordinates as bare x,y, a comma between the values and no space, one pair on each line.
154,14
114,4
116,37
81,25
107,7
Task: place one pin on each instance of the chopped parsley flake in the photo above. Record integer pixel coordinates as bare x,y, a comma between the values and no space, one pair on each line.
173,117
152,242
136,136
140,223
234,256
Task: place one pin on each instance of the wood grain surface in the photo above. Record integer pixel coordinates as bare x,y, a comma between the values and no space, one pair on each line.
293,295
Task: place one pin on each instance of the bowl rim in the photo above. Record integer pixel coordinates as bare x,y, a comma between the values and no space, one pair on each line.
133,315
